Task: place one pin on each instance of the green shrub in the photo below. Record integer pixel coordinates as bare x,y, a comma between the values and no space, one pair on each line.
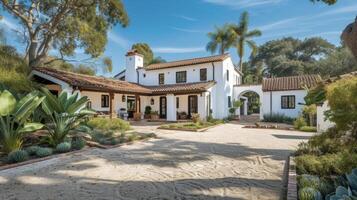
307,180
196,118
17,156
307,148
63,147
308,129
78,143
17,81
326,165
31,150
278,118
309,193
342,99
327,186
299,122
147,110
108,124
43,152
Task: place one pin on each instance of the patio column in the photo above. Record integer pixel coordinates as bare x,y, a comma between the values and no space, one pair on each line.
111,106
171,108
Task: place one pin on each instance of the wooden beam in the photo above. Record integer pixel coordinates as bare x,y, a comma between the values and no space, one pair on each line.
111,105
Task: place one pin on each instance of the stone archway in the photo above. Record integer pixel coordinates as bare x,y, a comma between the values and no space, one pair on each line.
240,90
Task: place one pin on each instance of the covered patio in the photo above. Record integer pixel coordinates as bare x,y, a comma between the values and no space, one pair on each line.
115,98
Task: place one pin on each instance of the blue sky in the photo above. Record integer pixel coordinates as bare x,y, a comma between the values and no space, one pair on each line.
177,29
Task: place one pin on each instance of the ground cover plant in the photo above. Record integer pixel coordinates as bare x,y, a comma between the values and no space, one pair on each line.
192,125
113,131
277,118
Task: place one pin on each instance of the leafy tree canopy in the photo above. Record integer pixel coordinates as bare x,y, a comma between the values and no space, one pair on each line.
65,25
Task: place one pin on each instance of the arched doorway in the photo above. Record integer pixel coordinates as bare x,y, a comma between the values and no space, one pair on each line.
251,96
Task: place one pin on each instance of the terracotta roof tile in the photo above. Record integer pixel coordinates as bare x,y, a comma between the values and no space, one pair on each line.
192,61
96,83
182,87
290,82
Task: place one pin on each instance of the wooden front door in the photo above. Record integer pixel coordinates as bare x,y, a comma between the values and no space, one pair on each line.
192,105
163,107
131,106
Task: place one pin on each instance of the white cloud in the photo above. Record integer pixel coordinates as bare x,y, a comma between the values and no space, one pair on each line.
119,40
187,30
177,50
186,18
278,24
242,3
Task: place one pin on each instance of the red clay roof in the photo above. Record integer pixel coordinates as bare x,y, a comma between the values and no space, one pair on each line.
290,82
192,61
95,83
182,88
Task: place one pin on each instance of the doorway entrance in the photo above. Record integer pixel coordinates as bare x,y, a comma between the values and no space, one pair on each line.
131,106
163,107
192,105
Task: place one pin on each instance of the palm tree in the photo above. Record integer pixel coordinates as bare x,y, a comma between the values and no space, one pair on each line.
244,38
221,39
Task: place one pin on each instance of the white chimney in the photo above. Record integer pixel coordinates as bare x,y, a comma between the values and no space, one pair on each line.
134,60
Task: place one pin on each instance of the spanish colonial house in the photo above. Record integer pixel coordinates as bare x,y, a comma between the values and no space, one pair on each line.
206,85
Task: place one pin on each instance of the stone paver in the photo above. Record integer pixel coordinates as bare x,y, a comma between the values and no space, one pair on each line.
226,162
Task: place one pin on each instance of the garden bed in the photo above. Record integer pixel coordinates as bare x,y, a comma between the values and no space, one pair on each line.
192,127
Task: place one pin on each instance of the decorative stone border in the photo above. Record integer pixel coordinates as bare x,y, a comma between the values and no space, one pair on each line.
189,130
292,182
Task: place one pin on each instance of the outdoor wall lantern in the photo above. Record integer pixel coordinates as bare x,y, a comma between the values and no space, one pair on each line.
152,102
123,98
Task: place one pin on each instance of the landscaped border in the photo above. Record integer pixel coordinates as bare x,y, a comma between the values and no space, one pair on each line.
35,160
90,146
189,130
292,181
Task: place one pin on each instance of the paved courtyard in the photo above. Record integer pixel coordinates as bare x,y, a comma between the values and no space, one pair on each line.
226,162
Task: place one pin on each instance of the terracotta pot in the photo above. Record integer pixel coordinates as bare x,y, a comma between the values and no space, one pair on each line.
137,116
154,117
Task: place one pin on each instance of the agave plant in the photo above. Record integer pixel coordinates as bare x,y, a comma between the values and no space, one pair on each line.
14,117
346,193
65,113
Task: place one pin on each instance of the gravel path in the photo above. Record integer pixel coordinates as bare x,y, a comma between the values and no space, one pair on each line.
226,162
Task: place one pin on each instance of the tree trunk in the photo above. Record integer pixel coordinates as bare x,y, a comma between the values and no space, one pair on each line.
32,55
222,49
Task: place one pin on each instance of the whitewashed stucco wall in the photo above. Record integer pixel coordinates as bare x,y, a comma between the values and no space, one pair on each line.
322,123
276,102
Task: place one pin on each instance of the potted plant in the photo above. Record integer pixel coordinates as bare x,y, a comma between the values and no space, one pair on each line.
137,116
182,115
154,115
236,104
147,112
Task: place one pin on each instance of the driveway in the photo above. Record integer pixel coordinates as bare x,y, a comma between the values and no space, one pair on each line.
226,162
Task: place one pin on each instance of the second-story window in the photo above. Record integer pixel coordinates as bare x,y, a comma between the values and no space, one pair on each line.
203,74
161,78
181,77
